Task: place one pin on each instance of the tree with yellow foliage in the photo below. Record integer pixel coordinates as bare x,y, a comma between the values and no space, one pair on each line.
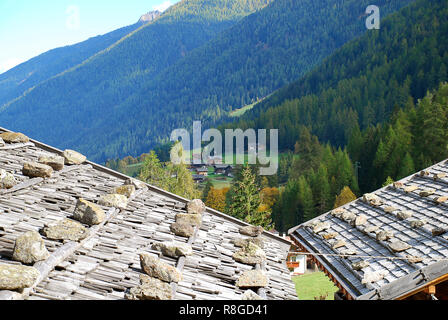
269,196
344,197
216,198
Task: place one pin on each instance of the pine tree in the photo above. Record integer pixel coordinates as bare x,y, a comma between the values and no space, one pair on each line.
435,129
309,149
208,187
321,191
285,212
305,197
181,181
407,167
262,217
175,178
355,144
153,173
245,200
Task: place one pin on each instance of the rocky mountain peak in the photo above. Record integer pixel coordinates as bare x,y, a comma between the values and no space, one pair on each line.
150,16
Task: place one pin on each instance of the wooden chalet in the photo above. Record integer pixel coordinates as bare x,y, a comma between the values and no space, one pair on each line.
389,245
202,171
222,169
198,178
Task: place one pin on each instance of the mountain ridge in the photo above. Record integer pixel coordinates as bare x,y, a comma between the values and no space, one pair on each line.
149,16
54,61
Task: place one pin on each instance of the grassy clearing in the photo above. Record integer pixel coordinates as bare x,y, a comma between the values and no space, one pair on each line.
133,170
220,182
239,112
313,285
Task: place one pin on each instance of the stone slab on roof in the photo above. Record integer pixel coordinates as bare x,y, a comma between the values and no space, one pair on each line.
106,264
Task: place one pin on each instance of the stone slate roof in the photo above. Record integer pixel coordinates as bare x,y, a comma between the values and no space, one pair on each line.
405,220
106,264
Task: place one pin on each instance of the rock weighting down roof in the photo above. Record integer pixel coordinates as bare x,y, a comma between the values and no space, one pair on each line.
72,229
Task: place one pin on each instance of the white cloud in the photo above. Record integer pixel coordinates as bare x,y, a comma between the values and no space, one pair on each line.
9,64
73,21
163,6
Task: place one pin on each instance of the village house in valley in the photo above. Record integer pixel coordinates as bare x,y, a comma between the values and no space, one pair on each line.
202,171
197,178
72,229
223,169
390,244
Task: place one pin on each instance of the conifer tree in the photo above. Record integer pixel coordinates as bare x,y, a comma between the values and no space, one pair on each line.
181,181
407,167
245,200
208,187
153,173
321,190
175,178
435,129
305,197
285,211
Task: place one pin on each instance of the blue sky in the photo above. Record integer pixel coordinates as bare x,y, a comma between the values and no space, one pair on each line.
29,28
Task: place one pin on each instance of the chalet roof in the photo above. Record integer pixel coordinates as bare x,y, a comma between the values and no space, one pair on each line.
106,264
198,177
222,166
386,244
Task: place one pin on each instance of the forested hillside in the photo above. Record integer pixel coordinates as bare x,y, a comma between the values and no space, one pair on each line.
264,52
365,81
182,68
75,106
16,81
321,178
371,106
415,138
316,176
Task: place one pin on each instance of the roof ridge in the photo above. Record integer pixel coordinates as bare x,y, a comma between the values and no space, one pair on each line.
406,179
153,188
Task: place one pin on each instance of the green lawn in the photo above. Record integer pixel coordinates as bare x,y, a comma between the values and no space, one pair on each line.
133,170
239,112
313,285
220,182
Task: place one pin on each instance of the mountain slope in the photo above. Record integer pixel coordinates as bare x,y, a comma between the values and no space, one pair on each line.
365,82
264,52
69,105
121,103
17,80
241,64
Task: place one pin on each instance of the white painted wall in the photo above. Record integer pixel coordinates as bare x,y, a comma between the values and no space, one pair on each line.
302,264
